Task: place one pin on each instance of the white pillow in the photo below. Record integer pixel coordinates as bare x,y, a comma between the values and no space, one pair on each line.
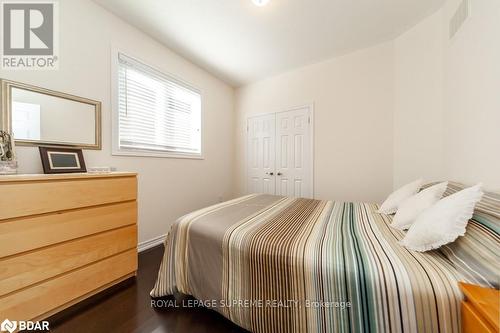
409,210
391,204
444,222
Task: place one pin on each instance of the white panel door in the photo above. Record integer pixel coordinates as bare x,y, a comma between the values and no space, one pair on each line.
294,153
261,154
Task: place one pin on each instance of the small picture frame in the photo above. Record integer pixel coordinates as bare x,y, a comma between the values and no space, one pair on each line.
62,160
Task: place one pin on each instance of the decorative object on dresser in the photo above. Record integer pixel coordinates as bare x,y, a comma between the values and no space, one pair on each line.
480,309
101,169
62,160
64,238
8,163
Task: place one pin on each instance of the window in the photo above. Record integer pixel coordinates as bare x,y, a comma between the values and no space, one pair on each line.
157,114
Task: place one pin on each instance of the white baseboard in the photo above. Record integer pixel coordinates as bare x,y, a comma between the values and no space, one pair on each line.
142,246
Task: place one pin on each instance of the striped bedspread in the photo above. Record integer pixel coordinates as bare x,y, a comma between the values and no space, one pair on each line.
278,264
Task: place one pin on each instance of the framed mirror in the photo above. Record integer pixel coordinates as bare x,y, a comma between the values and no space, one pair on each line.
38,116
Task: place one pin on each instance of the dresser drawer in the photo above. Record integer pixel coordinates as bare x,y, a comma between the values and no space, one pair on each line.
28,233
45,196
40,300
23,270
472,322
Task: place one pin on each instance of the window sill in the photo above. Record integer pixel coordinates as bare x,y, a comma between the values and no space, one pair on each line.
142,153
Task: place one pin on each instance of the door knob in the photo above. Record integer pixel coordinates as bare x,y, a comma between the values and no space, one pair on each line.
270,173
279,173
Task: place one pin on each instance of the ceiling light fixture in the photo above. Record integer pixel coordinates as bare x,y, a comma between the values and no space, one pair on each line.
260,3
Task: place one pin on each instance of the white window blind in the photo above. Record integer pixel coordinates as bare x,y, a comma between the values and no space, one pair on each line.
156,112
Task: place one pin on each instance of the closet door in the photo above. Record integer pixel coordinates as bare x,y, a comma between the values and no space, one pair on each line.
261,154
294,153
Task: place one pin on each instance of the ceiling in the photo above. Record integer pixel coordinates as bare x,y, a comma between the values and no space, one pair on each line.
241,43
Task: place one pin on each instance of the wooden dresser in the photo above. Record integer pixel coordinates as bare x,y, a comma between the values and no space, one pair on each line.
480,309
64,238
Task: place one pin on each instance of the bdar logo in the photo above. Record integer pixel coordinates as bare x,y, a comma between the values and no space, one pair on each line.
8,326
22,325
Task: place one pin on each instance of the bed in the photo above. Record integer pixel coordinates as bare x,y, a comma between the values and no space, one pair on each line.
280,264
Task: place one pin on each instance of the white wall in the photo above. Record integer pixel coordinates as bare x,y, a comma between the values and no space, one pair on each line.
418,102
168,188
472,94
447,109
442,96
353,107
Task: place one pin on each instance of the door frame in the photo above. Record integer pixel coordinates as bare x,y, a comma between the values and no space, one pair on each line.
309,106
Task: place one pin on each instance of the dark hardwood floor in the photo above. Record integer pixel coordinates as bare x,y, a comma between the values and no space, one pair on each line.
128,309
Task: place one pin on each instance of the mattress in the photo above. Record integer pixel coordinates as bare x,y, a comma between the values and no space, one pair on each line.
279,264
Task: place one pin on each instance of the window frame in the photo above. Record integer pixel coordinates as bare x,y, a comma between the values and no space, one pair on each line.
115,113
